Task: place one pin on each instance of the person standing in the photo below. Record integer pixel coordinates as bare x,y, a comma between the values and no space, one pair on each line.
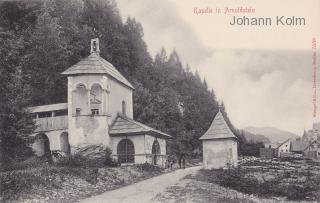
184,162
179,161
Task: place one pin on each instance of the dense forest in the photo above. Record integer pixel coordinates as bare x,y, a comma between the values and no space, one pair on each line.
40,39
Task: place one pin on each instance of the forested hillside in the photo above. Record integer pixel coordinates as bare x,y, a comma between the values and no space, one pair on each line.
40,39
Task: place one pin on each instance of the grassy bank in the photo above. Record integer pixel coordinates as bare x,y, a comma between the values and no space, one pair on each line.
291,180
53,183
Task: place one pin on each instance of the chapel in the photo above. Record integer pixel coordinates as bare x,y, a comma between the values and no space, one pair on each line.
220,145
99,111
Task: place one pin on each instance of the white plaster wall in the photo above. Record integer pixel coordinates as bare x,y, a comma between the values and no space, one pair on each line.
285,147
218,153
80,100
148,150
89,130
149,142
119,93
138,142
88,81
54,140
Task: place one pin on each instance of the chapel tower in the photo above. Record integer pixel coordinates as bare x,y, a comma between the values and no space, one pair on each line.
91,105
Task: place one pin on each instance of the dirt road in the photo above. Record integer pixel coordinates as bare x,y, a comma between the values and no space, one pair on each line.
144,191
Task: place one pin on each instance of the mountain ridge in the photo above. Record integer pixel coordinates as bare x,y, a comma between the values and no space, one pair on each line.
275,135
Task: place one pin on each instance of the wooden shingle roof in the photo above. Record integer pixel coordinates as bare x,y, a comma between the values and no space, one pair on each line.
298,145
127,126
94,64
219,129
50,107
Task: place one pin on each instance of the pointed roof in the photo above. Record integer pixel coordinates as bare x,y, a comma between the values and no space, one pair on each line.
94,64
298,145
311,143
127,126
219,129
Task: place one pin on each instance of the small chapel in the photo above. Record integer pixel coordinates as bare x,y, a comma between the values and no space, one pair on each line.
99,111
220,145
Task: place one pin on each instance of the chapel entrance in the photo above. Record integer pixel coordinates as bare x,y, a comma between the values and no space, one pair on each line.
155,152
64,143
41,145
125,151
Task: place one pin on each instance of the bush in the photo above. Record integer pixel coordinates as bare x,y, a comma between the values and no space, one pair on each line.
251,148
109,161
16,182
79,160
148,167
29,163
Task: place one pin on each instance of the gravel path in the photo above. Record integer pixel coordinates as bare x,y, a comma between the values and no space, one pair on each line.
144,191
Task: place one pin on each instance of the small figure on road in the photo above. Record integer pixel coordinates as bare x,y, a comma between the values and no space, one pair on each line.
184,162
180,161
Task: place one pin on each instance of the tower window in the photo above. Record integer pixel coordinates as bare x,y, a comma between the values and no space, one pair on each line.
78,111
124,108
96,100
94,45
95,111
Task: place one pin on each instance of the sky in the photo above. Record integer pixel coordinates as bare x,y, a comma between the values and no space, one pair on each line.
263,74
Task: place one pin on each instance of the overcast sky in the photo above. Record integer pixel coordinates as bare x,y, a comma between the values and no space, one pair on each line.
263,74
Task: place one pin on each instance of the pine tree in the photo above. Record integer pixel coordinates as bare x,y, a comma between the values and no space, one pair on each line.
15,121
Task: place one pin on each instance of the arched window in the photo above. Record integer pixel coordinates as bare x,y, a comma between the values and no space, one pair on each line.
64,142
155,151
125,151
96,99
124,108
41,145
79,100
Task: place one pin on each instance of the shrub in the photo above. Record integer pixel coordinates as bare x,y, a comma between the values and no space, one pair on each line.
29,163
148,167
109,161
80,160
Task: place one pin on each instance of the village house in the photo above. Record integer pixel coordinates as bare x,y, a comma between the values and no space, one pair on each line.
220,145
284,148
312,134
297,146
99,111
312,151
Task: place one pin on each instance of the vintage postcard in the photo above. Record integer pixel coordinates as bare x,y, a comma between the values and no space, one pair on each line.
142,101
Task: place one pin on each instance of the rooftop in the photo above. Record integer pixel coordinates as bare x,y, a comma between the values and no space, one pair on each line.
94,64
50,107
219,129
127,126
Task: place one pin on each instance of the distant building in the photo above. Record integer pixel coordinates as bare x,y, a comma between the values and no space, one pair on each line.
297,146
312,134
267,153
99,111
284,148
312,151
220,145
